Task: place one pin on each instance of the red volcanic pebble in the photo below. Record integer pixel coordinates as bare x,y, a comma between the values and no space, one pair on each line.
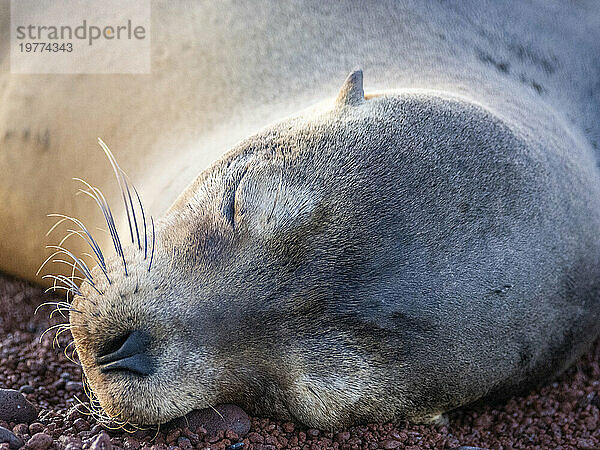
39,441
9,438
563,414
212,420
14,407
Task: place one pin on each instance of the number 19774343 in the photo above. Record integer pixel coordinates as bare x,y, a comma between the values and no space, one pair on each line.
29,47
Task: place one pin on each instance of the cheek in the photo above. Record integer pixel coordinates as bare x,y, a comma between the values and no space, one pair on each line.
83,349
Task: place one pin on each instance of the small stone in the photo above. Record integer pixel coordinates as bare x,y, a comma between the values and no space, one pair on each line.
302,437
26,389
312,433
228,417
466,447
236,446
21,429
256,438
71,386
70,442
131,443
14,407
390,444
58,385
101,442
81,425
184,443
288,427
74,414
193,437
586,444
158,447
35,428
74,446
98,429
8,437
39,441
272,447
173,435
342,436
231,435
270,440
66,440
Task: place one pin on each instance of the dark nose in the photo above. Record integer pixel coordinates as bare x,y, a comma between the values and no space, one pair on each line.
127,353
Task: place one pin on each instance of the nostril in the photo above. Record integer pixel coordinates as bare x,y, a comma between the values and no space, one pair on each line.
128,353
124,346
112,346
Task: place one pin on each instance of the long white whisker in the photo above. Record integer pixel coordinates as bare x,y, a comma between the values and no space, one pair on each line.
153,243
116,169
63,305
55,225
45,262
144,220
137,231
99,198
90,239
68,282
84,268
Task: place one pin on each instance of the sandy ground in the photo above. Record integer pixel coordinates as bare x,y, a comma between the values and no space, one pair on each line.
564,414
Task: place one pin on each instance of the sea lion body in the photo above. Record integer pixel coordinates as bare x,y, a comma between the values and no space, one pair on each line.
394,255
218,78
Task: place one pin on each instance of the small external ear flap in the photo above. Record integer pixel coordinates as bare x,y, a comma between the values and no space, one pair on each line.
352,92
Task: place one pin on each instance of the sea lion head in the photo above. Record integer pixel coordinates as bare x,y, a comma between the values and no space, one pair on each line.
260,284
163,327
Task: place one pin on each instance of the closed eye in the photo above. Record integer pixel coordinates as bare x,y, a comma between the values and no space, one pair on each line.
228,202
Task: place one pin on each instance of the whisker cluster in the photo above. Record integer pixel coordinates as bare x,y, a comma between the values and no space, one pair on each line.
93,409
137,220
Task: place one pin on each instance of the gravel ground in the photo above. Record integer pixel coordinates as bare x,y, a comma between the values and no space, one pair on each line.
564,414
